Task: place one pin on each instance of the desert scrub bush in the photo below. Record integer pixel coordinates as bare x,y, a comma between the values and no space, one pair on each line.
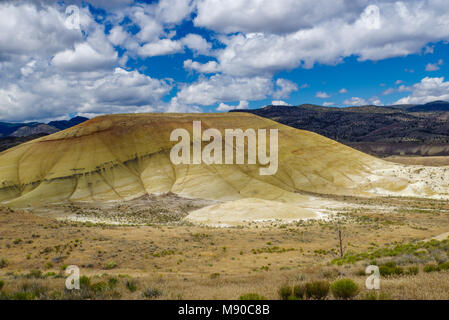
3,263
34,274
84,282
390,269
344,289
285,292
131,285
251,296
152,293
110,265
431,268
112,282
29,291
317,290
420,249
413,270
2,284
299,291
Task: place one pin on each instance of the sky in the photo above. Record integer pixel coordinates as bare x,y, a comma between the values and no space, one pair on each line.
59,59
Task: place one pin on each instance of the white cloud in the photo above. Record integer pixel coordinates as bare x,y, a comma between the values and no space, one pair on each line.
160,47
322,95
328,104
285,88
343,90
398,82
428,50
280,16
280,103
222,88
56,95
267,47
173,11
117,35
224,107
208,67
434,66
196,43
356,101
429,89
96,53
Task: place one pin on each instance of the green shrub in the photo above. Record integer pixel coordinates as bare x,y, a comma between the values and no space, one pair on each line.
251,296
112,282
389,269
431,268
99,287
84,282
444,266
317,290
285,292
413,270
36,274
29,291
2,284
131,285
3,263
344,289
151,293
110,265
299,291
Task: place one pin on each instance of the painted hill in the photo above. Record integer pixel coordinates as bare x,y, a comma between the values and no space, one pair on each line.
119,157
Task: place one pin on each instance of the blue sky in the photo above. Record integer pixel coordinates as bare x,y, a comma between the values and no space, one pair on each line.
62,58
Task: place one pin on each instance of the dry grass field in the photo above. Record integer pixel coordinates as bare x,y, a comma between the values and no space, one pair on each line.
172,259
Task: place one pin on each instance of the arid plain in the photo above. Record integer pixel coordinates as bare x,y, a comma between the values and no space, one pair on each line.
104,196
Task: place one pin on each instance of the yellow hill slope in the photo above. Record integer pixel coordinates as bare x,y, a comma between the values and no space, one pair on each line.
118,157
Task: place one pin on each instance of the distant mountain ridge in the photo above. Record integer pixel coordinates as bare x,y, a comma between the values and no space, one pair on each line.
12,134
378,130
31,128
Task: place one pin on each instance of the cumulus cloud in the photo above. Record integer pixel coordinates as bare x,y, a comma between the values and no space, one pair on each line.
279,103
95,53
208,67
356,101
280,16
160,48
404,28
328,104
284,88
322,95
343,90
57,95
196,43
224,107
427,90
223,88
434,66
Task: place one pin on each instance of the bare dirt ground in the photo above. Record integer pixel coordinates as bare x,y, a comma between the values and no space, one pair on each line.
166,258
437,161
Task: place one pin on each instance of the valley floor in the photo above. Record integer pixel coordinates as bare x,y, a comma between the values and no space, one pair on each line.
172,259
